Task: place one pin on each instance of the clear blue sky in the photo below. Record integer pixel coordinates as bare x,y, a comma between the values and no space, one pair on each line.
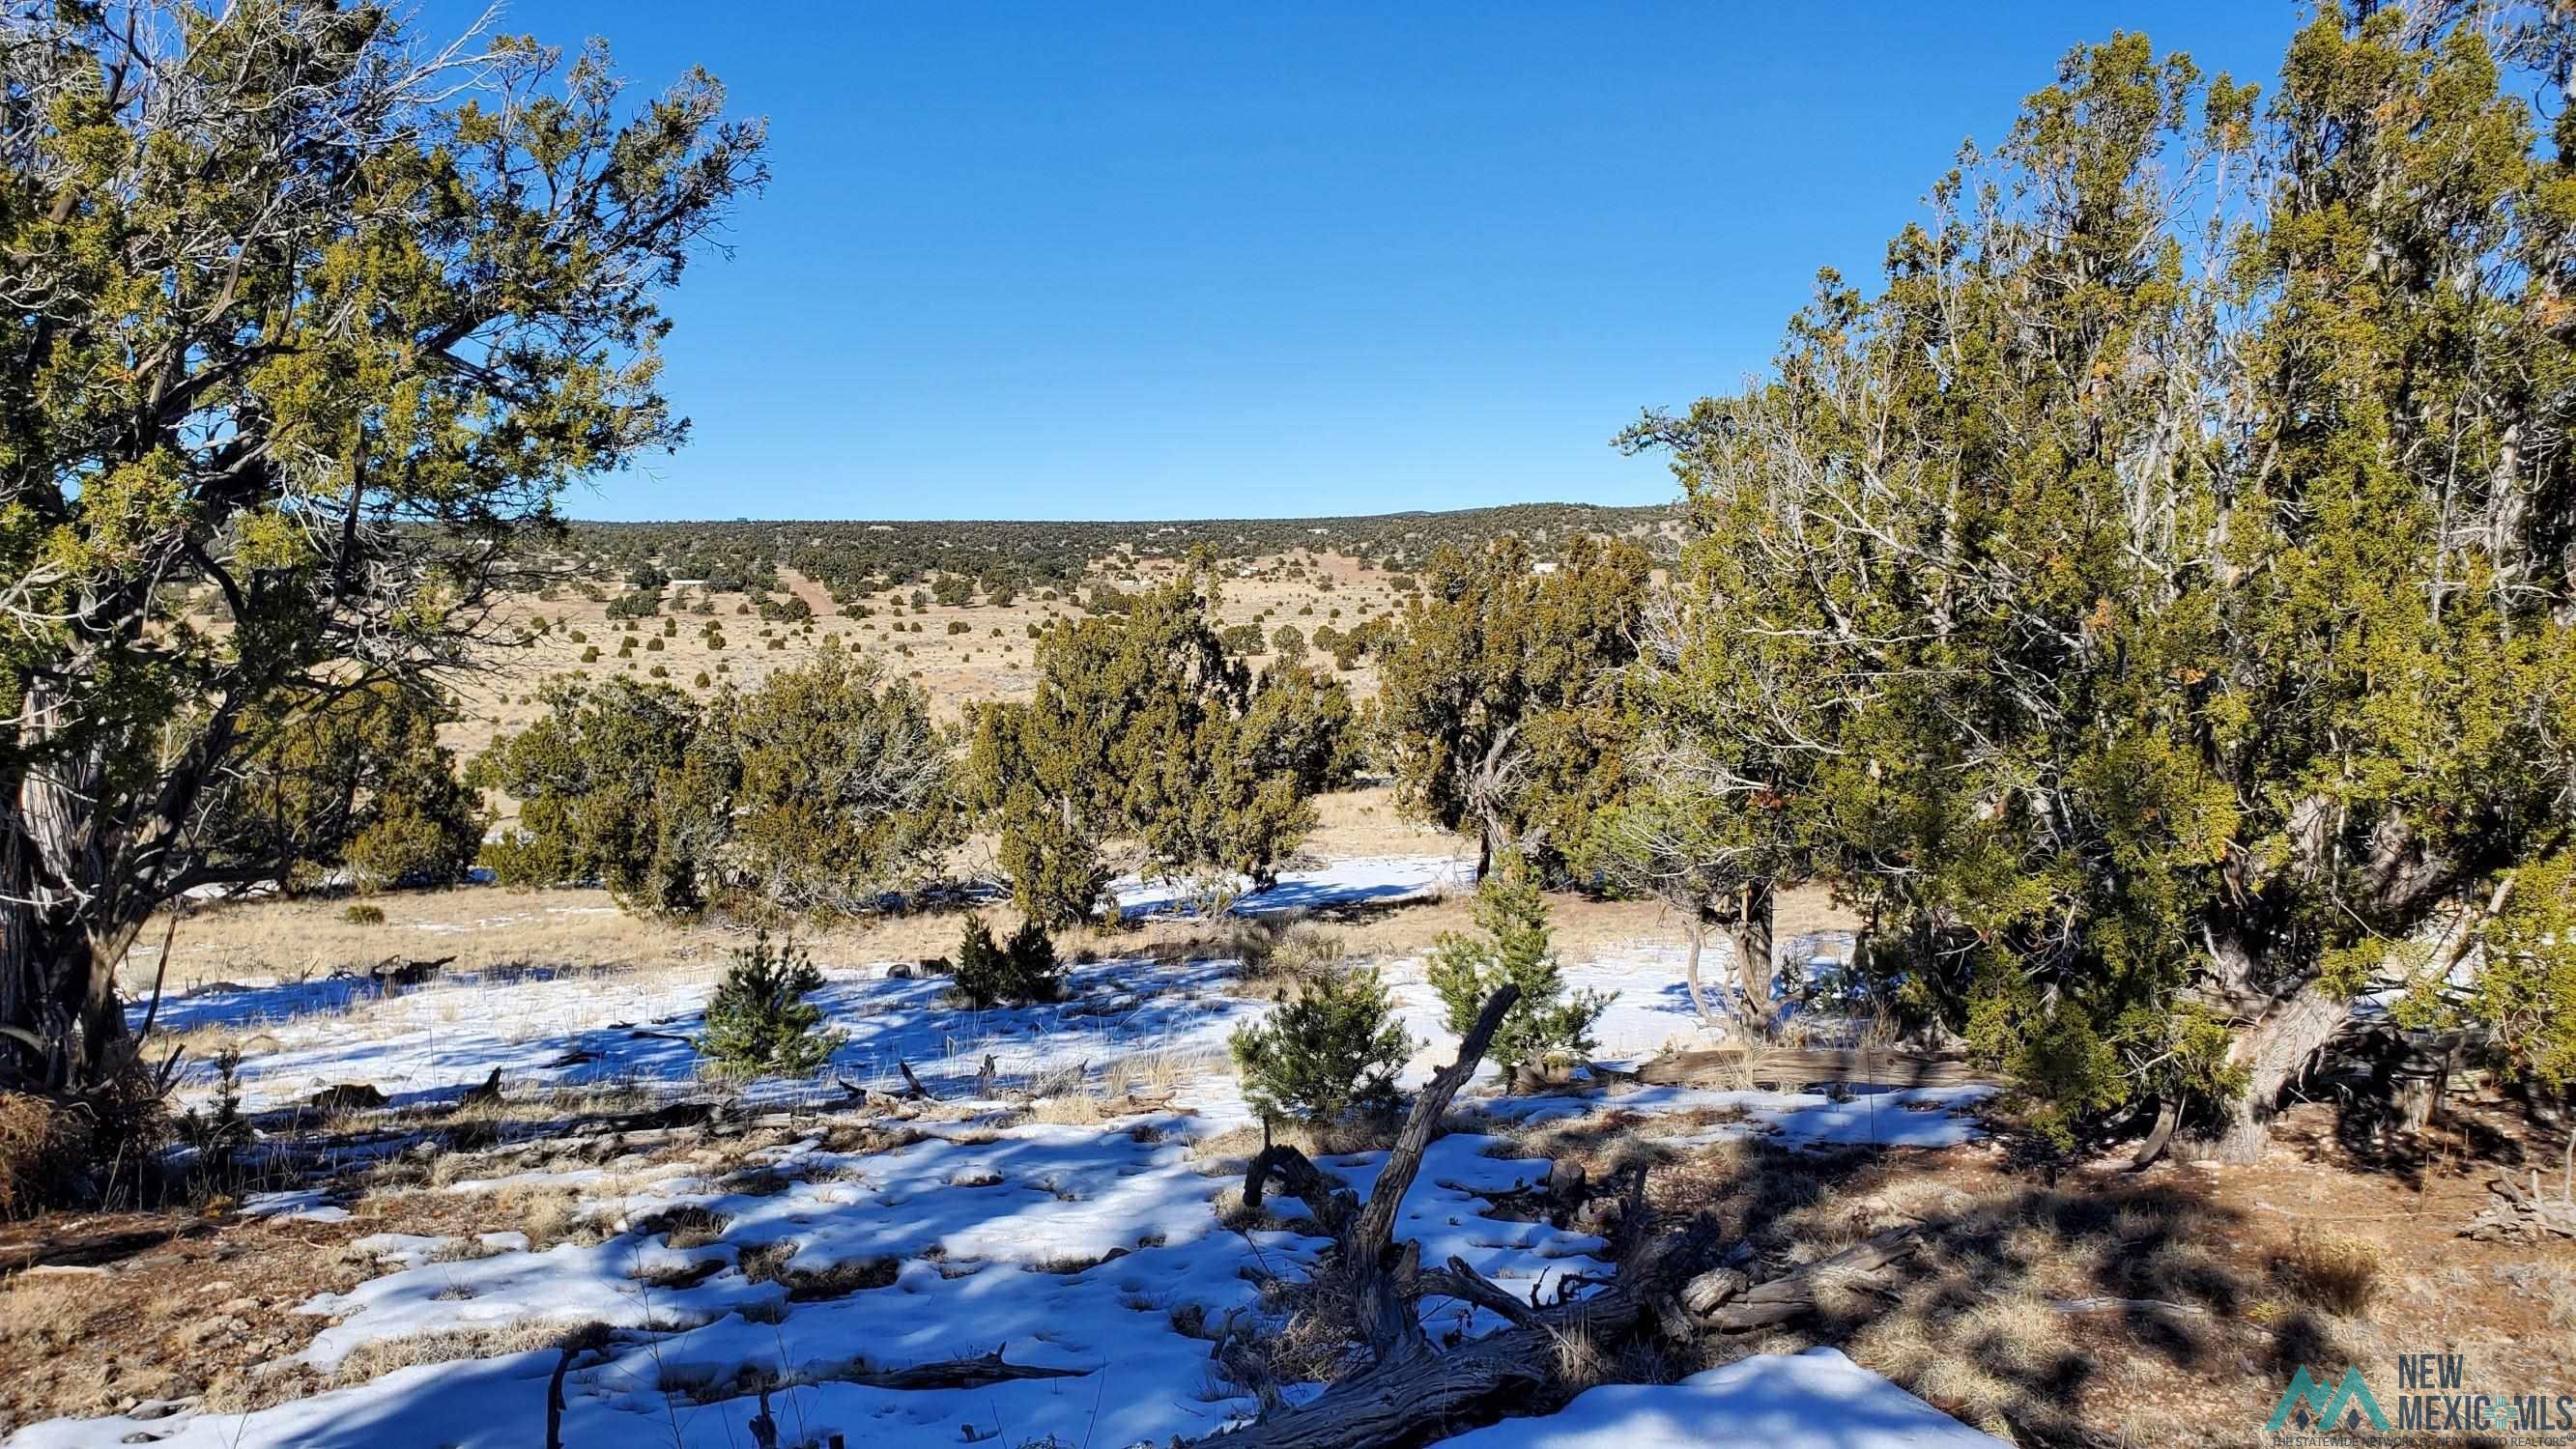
1072,260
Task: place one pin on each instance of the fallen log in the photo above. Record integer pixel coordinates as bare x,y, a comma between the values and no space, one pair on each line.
1793,1296
1854,1066
2521,1214
979,1372
1393,1402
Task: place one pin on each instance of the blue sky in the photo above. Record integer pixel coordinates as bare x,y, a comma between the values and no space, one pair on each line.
1071,260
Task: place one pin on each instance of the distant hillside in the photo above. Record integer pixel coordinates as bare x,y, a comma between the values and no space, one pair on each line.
857,556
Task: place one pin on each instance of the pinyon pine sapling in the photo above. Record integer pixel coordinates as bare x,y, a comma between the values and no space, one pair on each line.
1547,1025
1022,970
1336,1048
759,1020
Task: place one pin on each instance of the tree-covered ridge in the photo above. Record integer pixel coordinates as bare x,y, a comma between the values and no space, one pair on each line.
854,557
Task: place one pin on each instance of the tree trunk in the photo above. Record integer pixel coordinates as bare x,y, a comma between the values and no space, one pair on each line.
1750,933
2275,1050
1690,964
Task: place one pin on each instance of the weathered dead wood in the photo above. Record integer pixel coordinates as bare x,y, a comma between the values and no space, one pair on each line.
982,1371
554,1397
2522,1214
2146,1306
2159,1136
1394,1402
1328,1202
1793,1296
912,1086
1856,1066
1382,1274
486,1095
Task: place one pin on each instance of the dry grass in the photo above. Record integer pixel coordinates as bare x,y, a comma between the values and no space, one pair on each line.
2333,1271
375,1359
548,1215
45,1309
31,1146
686,1226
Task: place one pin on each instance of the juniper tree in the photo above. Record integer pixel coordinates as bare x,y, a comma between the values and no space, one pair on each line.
1498,711
1144,726
358,782
620,782
844,788
2156,600
309,325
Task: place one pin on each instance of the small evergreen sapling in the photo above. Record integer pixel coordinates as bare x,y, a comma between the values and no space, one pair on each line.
759,1020
1547,1026
1023,970
1334,1049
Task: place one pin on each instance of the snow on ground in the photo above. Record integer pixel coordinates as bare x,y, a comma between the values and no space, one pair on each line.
1358,880
1813,1400
1094,1250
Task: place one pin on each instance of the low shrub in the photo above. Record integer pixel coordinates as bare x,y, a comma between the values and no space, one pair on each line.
1023,970
1548,1025
1285,947
364,913
2335,1271
759,1020
1332,1051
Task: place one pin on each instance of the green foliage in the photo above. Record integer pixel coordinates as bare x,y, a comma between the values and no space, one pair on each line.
620,783
1022,971
2164,628
1498,712
2526,992
1143,726
363,913
1332,1050
636,604
817,793
758,1020
353,779
843,790
1546,1026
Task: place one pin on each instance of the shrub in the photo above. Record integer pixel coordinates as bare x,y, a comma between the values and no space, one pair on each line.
363,913
759,1020
590,654
1546,1025
1334,1049
1023,970
960,626
2334,1271
1285,946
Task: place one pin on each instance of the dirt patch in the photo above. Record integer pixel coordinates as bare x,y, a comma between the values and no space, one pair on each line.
2172,1306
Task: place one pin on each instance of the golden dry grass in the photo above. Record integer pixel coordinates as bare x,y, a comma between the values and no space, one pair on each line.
956,670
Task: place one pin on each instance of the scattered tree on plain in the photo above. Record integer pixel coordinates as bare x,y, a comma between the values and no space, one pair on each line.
1143,726
1498,712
